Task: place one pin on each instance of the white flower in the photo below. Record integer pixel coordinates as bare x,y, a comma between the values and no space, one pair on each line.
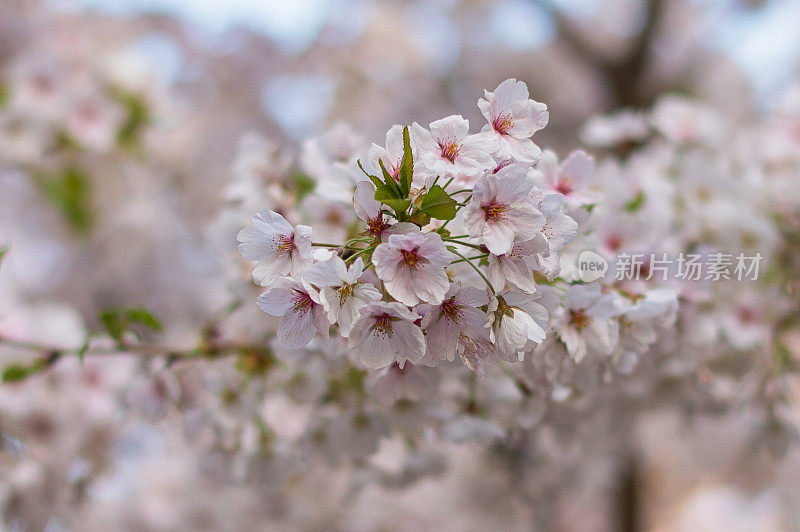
368,210
588,322
331,160
386,333
303,316
558,231
413,267
340,291
279,248
447,150
568,178
513,119
517,323
516,266
500,210
445,323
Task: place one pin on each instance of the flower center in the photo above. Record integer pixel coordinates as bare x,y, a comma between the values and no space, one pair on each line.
344,291
376,226
579,318
411,258
301,302
564,185
450,310
495,212
283,244
449,149
503,124
382,326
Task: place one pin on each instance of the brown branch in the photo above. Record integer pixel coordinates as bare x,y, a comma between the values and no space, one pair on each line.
623,75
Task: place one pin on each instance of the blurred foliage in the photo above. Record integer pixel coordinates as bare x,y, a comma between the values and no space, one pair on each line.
70,193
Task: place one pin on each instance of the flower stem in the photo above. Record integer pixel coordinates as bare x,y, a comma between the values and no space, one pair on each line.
468,261
470,258
473,246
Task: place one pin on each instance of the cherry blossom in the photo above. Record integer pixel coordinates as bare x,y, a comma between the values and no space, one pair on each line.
341,290
447,150
513,119
302,314
386,333
279,248
500,211
412,267
458,314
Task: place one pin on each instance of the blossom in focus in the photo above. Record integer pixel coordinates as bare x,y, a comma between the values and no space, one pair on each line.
413,267
501,211
513,119
517,323
448,150
386,333
458,314
279,248
302,314
341,291
516,266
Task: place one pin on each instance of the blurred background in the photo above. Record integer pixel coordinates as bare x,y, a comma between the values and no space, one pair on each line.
123,124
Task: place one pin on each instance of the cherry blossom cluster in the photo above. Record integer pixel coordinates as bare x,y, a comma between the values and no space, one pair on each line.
455,249
452,233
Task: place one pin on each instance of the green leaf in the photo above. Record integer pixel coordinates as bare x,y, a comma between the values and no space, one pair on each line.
4,95
438,204
390,182
70,193
116,322
303,185
420,218
16,373
138,116
406,173
636,203
375,180
3,251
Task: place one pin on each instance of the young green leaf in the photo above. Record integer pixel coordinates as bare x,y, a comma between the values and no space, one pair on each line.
15,373
3,251
375,179
390,182
116,322
420,218
70,193
406,173
438,204
636,203
138,116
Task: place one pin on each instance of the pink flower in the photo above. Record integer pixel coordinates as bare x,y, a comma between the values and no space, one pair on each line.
501,211
279,248
386,333
447,150
445,323
568,178
517,323
513,119
340,290
413,267
303,315
516,267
